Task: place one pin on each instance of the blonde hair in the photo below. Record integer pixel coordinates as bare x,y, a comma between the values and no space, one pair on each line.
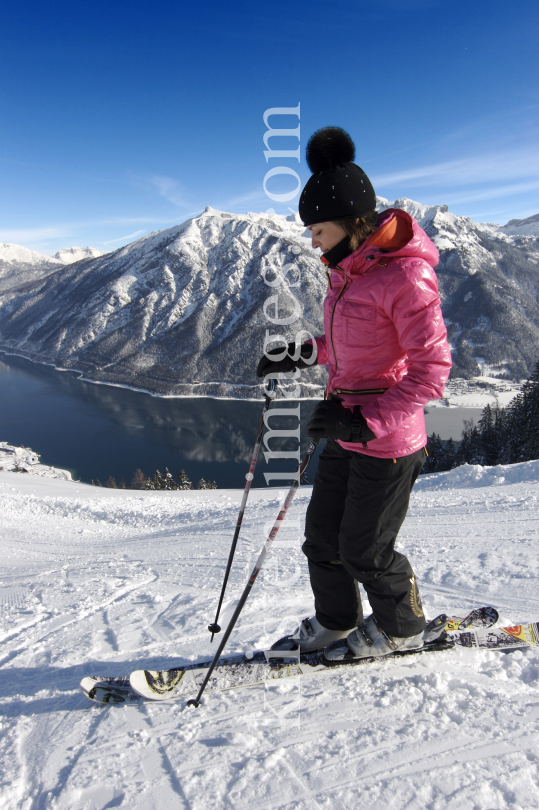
359,228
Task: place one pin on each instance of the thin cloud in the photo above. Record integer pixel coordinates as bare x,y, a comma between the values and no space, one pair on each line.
19,235
167,187
492,193
495,167
124,238
123,221
257,195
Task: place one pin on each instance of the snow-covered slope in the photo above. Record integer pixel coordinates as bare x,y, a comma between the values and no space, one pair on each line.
75,254
97,581
19,266
523,227
176,312
181,312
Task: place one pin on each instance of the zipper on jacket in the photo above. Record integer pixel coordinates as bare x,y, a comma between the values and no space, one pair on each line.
363,391
333,313
328,278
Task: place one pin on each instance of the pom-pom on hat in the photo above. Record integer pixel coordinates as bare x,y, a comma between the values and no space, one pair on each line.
338,189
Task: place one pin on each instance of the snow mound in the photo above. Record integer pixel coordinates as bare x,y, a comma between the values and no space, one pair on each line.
474,475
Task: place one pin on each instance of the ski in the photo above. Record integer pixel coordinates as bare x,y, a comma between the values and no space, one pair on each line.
108,689
240,671
118,690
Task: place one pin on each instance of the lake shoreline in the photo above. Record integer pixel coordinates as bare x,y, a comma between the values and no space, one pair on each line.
477,385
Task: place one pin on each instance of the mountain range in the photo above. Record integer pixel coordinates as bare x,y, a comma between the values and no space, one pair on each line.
19,265
181,312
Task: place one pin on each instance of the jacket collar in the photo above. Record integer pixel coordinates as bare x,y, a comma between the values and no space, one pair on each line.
336,254
395,231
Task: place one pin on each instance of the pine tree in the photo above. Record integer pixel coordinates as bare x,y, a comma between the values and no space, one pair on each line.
486,441
111,483
122,484
139,480
529,423
468,445
451,454
475,451
508,435
437,460
167,479
183,478
202,484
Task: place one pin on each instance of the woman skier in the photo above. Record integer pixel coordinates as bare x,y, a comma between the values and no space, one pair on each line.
385,345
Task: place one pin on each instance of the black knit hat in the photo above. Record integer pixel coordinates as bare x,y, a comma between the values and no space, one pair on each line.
338,188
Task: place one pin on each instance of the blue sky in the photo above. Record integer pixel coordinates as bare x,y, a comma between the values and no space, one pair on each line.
127,117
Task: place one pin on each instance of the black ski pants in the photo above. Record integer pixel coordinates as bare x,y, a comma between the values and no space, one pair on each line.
357,508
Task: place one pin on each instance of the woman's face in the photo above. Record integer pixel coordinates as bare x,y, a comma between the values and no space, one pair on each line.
326,235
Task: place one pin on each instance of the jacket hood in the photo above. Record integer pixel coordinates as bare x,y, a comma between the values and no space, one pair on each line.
398,235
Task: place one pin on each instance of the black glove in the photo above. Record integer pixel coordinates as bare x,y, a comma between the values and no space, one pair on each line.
269,366
331,420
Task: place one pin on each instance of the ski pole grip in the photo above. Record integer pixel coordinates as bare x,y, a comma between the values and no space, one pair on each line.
269,388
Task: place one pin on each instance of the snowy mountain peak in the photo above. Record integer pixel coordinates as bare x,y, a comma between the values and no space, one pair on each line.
421,213
17,254
19,265
522,227
75,254
170,312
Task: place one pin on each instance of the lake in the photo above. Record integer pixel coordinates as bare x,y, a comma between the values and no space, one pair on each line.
97,431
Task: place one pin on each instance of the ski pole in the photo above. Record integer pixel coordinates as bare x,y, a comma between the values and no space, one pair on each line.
214,628
258,566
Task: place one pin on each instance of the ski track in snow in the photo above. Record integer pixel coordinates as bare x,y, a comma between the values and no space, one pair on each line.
103,582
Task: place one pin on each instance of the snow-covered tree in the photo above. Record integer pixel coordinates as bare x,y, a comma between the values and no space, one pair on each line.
167,480
184,480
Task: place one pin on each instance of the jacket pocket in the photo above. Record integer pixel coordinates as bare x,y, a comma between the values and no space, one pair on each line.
359,324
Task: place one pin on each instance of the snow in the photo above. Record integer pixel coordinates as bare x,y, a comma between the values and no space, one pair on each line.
24,460
14,254
75,254
478,392
421,213
523,227
97,581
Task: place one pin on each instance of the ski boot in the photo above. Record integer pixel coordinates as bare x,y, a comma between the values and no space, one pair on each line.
308,637
368,640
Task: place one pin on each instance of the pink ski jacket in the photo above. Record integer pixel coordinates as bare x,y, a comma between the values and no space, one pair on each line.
385,342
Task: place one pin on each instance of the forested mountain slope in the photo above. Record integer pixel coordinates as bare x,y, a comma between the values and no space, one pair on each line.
181,311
